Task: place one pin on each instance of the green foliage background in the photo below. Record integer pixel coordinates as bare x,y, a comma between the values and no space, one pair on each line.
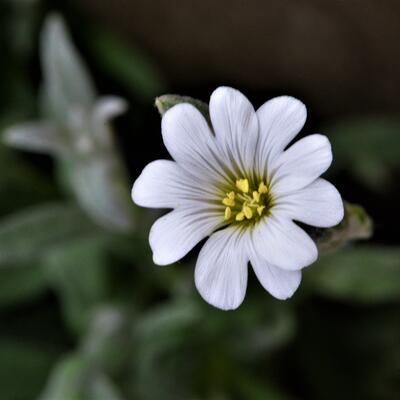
85,315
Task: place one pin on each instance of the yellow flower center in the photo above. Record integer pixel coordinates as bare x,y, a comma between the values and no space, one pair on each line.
245,203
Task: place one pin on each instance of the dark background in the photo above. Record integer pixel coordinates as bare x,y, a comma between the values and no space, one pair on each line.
339,337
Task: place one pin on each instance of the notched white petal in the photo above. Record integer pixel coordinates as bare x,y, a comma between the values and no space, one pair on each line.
280,120
221,269
191,143
175,234
235,125
162,184
301,164
284,244
278,282
318,204
156,185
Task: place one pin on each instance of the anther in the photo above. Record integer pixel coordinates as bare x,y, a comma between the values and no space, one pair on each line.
228,213
247,212
260,209
262,188
243,185
240,216
256,196
228,202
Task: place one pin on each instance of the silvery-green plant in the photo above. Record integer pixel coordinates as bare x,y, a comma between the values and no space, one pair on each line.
75,129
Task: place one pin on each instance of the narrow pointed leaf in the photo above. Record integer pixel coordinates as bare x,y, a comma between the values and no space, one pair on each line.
100,187
67,82
38,136
362,274
26,235
73,379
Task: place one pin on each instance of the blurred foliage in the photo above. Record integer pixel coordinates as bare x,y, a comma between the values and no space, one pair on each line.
76,131
127,65
340,276
84,313
368,148
356,225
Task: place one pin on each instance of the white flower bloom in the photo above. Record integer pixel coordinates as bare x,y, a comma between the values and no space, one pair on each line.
238,184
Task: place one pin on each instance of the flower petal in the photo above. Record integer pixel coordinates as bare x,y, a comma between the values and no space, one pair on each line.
164,184
221,269
282,243
318,204
236,127
301,164
191,143
278,282
176,233
280,120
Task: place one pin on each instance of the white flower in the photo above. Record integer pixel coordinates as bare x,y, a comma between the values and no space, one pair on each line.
239,185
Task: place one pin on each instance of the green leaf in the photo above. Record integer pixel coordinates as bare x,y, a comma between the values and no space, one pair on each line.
335,345
21,283
165,102
20,184
368,148
78,272
100,187
39,136
127,65
26,235
164,328
108,341
23,360
73,379
67,82
356,225
362,274
66,380
253,389
102,388
261,330
162,338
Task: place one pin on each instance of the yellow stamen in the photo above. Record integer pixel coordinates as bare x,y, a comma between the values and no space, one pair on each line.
246,203
260,209
247,212
262,188
256,196
243,185
240,216
231,195
228,202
